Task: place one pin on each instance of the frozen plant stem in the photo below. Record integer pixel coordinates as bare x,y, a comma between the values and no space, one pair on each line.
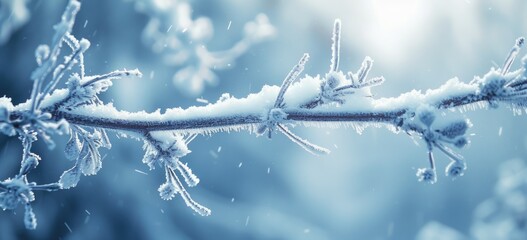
334,99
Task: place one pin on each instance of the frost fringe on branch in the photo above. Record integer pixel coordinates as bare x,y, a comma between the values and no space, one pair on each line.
182,42
333,100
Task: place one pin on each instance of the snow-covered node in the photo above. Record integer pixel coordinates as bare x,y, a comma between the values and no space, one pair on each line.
165,149
437,130
182,41
276,117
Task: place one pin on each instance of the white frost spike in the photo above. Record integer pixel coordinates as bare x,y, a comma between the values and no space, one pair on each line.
71,41
311,148
42,53
84,44
335,47
111,76
167,191
190,178
150,156
59,69
70,178
290,78
30,221
365,68
105,141
373,82
203,211
73,147
512,55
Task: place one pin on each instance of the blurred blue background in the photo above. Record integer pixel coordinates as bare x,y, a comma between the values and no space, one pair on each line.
365,189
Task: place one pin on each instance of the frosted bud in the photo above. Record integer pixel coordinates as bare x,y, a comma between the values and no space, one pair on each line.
520,41
135,72
426,175
426,116
28,164
277,115
42,53
333,79
456,169
167,191
455,129
84,44
461,142
30,221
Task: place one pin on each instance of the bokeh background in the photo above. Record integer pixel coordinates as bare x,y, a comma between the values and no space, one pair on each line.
260,189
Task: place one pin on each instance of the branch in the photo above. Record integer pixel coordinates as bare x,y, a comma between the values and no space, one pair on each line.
334,99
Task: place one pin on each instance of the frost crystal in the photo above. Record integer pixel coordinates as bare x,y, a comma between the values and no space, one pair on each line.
455,129
456,169
426,175
426,115
30,221
167,191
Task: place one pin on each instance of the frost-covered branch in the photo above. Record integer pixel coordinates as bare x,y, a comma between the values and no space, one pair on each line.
335,99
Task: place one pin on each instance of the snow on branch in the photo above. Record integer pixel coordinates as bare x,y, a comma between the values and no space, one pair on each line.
335,99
